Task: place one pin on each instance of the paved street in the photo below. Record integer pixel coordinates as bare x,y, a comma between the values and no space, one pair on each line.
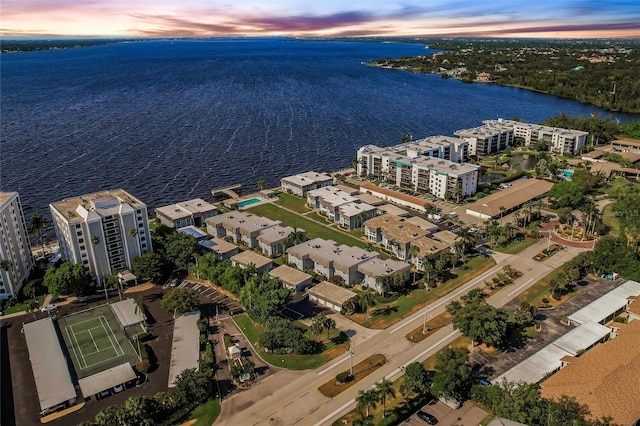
298,401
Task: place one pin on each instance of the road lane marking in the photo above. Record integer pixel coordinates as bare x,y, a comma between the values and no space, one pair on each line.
321,372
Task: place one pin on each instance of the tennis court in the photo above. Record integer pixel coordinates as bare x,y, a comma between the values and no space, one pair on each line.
95,341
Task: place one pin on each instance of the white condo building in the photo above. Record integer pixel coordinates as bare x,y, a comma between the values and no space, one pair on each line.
15,252
414,165
561,141
490,138
104,231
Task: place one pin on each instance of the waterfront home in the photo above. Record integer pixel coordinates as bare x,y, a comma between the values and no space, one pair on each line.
273,241
193,212
301,183
241,227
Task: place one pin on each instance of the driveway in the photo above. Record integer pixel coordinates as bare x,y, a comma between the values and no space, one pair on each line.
468,414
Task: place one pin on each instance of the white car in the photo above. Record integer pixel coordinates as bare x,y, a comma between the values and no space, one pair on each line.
49,308
118,388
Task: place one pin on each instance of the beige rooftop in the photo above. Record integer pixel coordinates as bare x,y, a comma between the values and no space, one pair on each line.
331,292
520,192
249,257
103,200
396,228
289,275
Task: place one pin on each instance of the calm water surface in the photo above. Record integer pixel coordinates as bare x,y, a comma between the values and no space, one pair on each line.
170,120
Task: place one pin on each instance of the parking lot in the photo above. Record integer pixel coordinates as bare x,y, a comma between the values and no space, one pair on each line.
469,414
212,298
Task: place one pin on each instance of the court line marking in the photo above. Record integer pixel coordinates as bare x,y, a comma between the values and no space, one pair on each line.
71,339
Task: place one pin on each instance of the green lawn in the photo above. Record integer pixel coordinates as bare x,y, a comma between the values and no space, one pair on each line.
385,315
21,307
206,413
611,221
312,228
293,202
516,246
291,362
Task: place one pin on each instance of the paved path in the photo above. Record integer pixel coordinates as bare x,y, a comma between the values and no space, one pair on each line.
298,402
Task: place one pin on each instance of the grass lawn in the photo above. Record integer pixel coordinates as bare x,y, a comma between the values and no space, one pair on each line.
291,362
433,325
22,307
312,228
540,290
205,414
292,202
360,371
611,221
385,315
517,246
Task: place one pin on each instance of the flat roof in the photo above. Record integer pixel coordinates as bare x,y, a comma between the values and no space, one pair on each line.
518,193
582,337
5,196
185,347
538,365
422,223
355,208
53,381
275,234
394,210
395,194
382,267
396,228
307,178
186,208
370,199
245,258
605,378
106,379
447,237
289,276
305,248
218,245
606,305
126,312
429,246
245,223
331,293
104,202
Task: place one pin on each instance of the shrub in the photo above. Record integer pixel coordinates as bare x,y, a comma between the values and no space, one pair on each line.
620,319
344,377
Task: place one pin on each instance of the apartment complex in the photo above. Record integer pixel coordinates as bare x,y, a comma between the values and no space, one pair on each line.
341,205
105,231
15,252
240,226
329,259
372,269
490,138
186,213
301,183
432,165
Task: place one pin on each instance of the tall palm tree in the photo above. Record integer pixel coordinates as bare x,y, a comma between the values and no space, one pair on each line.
367,399
262,184
367,299
384,390
414,251
528,211
296,237
36,226
329,323
427,266
516,218
457,192
32,307
469,239
458,252
502,210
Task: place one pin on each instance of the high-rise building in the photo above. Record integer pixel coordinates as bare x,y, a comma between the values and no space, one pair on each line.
15,252
104,231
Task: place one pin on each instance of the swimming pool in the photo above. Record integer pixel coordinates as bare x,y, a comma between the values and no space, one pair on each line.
566,173
245,203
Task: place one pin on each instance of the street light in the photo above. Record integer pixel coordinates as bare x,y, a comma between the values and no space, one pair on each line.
426,314
350,357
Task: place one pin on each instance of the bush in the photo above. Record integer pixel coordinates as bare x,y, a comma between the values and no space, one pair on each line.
620,319
344,377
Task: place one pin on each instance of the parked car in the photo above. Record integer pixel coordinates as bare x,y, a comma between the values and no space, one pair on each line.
104,394
173,282
49,308
426,417
118,388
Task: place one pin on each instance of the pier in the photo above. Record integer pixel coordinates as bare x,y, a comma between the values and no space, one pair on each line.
230,191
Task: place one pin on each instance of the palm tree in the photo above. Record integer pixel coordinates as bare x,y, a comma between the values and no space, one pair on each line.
457,192
528,211
318,324
329,323
36,226
32,307
508,231
427,267
469,239
6,264
458,252
367,399
367,298
414,251
502,210
262,184
296,237
516,218
384,390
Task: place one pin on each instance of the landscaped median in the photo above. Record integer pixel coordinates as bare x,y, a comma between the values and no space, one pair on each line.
336,346
361,370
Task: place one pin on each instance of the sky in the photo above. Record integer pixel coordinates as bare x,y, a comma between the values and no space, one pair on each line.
321,18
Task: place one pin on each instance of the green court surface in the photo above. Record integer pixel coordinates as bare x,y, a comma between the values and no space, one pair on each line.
95,341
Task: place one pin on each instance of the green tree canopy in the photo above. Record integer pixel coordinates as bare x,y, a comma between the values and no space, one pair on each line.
264,300
180,300
566,194
68,278
482,322
147,265
453,373
180,248
416,380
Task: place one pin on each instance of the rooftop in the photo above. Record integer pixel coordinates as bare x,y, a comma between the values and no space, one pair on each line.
275,234
288,275
353,209
604,378
248,257
103,203
241,221
369,199
382,267
395,194
307,178
396,228
331,292
186,208
218,245
518,193
428,246
185,349
604,306
5,196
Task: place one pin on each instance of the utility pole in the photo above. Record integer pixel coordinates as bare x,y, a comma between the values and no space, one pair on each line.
350,357
426,314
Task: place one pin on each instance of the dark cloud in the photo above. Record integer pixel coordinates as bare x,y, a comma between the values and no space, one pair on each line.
312,23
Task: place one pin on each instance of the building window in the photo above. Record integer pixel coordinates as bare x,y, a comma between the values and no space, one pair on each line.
81,240
82,247
78,226
85,262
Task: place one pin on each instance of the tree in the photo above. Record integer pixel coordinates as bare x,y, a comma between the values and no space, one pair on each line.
32,307
6,264
427,267
296,237
416,380
367,399
264,300
109,416
453,373
193,386
262,184
366,298
139,305
502,210
385,389
180,248
566,194
482,322
414,251
68,278
137,410
318,324
147,266
328,323
457,192
36,227
180,300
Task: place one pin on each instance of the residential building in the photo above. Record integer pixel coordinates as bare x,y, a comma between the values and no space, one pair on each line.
273,241
192,212
15,252
340,204
393,233
510,199
291,277
376,268
240,226
561,141
221,248
427,247
490,138
105,231
248,257
301,183
329,259
330,295
353,215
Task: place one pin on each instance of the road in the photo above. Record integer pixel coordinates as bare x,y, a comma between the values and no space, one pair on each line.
298,401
